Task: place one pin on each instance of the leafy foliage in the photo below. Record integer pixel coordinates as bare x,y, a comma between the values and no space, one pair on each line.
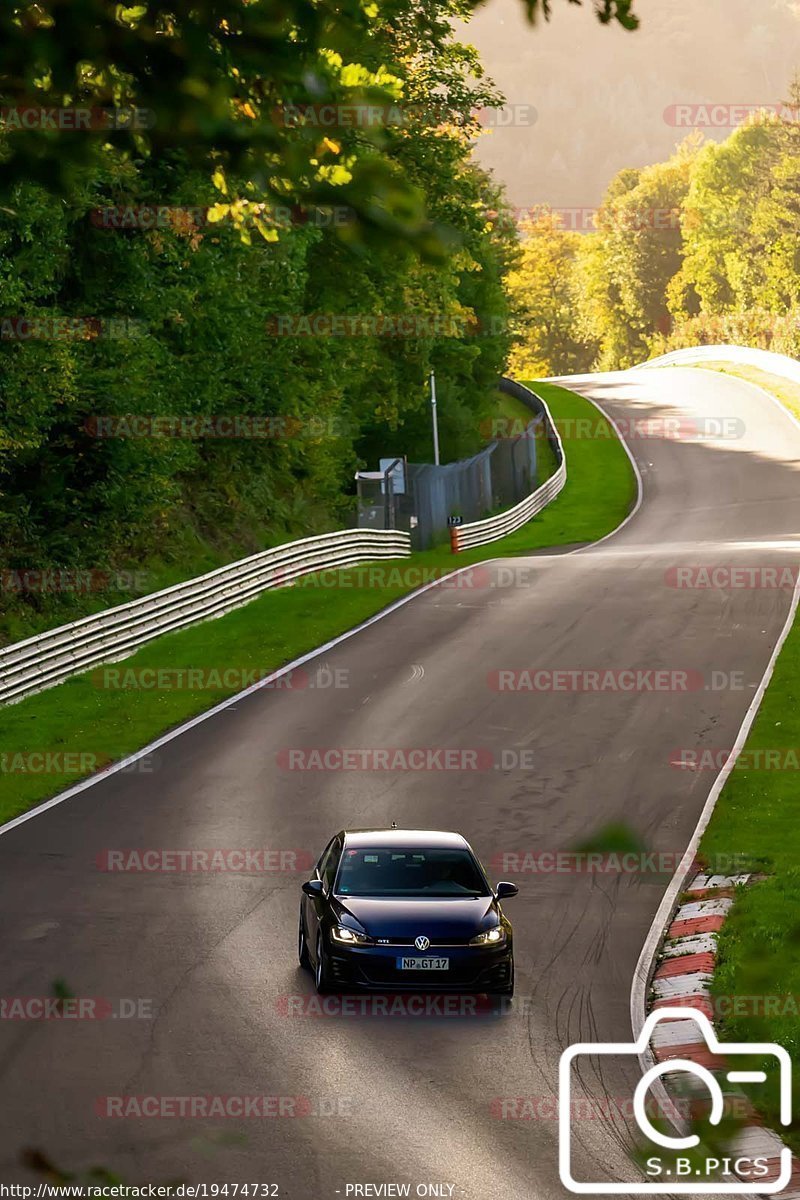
186,304
224,108
237,87
607,11
703,248
542,290
627,266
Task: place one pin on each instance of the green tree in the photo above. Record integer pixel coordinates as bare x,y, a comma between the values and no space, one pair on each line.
729,179
198,299
236,86
543,291
627,266
216,84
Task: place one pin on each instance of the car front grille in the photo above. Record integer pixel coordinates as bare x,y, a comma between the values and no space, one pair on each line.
409,944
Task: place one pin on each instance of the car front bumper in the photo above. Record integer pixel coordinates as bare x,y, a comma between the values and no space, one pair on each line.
471,968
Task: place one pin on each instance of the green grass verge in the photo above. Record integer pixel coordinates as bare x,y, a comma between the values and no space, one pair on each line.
756,826
82,717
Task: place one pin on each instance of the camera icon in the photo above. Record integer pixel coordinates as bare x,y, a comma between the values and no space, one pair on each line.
665,1142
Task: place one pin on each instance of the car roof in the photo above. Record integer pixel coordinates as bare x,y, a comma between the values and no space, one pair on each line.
429,838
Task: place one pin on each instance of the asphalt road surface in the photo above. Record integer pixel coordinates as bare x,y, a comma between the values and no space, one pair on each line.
409,1099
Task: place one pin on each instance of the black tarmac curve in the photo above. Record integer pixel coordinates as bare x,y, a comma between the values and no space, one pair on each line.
391,1099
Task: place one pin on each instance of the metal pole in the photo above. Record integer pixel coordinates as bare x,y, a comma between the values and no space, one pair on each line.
387,501
388,491
435,419
390,496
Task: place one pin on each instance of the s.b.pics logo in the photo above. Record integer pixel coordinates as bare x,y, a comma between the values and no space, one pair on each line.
710,1156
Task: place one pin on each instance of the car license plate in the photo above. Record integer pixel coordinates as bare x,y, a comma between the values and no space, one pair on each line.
423,964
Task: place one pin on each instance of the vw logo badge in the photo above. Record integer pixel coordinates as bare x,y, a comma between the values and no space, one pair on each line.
422,943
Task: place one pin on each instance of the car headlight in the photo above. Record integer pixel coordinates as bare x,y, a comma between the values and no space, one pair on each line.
490,937
350,937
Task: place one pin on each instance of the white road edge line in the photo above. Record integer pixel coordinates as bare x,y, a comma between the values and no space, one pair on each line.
660,921
641,975
231,700
297,662
657,929
636,471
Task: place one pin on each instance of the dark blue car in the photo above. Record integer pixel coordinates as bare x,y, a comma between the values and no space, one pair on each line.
405,909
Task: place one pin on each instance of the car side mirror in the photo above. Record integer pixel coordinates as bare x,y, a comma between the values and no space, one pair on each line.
504,891
313,887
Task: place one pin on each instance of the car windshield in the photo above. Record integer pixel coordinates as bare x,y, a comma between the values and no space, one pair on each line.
394,871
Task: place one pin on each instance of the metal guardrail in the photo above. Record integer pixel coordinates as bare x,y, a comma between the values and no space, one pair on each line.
50,657
478,533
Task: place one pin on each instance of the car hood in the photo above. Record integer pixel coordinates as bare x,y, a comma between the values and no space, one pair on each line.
436,919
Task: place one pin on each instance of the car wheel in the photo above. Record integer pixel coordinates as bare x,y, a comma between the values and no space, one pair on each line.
302,945
321,974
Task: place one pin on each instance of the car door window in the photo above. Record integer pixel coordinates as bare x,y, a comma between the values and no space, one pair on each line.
329,863
323,858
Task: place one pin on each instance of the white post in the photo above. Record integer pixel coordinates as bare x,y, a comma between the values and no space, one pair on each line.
435,420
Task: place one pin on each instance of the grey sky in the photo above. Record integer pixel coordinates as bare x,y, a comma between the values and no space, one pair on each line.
601,93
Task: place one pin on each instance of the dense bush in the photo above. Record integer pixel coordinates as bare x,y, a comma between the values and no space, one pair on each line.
703,248
178,320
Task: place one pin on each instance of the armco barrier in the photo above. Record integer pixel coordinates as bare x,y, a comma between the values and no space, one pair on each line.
478,533
49,658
